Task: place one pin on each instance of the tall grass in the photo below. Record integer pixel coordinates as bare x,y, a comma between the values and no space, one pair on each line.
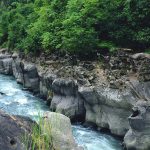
40,137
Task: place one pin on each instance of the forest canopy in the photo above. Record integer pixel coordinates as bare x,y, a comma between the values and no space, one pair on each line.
74,26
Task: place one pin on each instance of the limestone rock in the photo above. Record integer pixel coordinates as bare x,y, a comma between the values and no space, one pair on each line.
108,108
66,99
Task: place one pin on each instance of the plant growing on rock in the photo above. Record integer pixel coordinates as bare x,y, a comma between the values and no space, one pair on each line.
38,139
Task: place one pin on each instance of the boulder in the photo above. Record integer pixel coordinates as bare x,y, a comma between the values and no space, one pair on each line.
12,130
15,130
138,136
66,99
60,131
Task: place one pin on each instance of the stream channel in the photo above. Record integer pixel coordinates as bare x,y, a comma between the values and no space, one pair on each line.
19,102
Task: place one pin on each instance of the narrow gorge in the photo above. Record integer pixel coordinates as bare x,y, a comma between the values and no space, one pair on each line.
114,96
74,75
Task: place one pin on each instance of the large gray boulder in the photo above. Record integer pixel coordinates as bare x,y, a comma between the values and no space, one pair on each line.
138,136
12,131
66,99
59,128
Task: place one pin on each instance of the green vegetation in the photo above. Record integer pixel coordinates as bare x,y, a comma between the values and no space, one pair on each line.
38,139
82,27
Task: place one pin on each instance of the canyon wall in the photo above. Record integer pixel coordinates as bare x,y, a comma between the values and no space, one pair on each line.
103,95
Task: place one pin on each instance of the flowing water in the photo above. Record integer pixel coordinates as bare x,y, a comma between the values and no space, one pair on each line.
19,102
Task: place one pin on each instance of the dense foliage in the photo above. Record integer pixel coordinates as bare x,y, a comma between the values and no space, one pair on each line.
74,26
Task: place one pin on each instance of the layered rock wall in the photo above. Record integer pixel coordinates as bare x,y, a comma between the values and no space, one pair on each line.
105,98
61,94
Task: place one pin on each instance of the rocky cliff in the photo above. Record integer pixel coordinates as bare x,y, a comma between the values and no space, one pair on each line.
102,94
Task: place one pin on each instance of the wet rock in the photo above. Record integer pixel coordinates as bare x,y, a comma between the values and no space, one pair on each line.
66,99
138,136
113,85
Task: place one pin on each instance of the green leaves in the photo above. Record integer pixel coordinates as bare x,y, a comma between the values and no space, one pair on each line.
74,26
14,26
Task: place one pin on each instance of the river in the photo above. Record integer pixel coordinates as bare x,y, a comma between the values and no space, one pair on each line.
19,102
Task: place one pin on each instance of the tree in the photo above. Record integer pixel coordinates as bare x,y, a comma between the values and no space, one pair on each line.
81,27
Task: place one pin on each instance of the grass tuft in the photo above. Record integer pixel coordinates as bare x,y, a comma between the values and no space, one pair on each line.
38,139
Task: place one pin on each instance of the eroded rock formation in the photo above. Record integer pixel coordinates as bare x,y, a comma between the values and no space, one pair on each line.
66,99
104,97
138,136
